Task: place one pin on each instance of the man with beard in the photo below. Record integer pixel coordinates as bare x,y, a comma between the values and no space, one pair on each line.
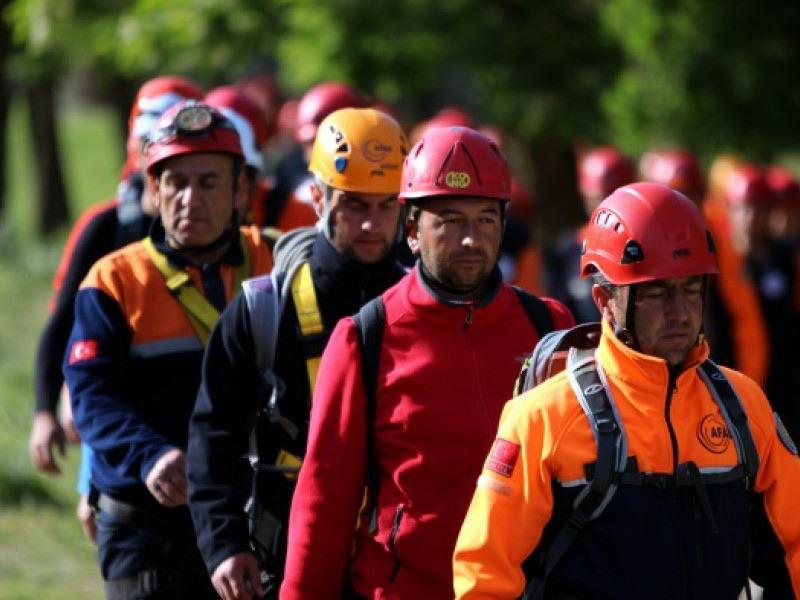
452,337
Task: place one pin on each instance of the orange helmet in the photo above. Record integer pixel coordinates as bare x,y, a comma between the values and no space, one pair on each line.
359,150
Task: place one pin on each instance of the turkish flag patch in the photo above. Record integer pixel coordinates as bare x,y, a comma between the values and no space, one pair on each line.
503,457
82,350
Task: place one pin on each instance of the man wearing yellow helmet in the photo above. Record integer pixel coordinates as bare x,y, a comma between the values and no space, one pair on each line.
262,358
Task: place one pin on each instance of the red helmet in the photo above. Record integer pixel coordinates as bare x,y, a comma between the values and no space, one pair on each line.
189,128
450,116
644,232
747,185
320,101
264,91
246,116
523,201
784,186
602,170
153,98
678,169
455,161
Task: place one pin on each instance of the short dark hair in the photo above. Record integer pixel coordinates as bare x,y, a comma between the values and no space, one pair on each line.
603,282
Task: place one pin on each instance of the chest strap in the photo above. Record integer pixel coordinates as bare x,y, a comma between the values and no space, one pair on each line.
309,320
200,312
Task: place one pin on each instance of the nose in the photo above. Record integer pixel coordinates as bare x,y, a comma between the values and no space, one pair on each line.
677,306
370,221
469,238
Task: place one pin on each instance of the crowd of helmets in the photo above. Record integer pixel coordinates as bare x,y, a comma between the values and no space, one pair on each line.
753,212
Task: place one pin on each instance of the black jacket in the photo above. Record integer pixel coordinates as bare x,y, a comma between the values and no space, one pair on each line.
232,391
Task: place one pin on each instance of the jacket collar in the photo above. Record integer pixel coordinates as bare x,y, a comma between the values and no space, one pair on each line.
420,299
642,372
233,255
348,279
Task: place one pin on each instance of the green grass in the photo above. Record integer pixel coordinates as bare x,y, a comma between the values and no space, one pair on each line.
43,553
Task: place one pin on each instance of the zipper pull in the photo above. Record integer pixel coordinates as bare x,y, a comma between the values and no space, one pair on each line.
468,318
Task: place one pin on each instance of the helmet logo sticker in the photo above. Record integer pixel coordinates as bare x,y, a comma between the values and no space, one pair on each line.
713,434
457,179
680,253
340,164
375,151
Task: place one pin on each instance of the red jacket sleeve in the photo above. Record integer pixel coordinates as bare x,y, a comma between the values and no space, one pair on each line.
330,488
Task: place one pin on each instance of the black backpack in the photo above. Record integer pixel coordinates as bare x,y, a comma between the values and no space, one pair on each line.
572,350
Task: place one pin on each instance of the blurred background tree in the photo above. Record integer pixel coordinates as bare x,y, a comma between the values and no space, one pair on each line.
552,75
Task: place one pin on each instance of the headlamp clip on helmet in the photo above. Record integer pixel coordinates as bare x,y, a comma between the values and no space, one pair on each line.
193,120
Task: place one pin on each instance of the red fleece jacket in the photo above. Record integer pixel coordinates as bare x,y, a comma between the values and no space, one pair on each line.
442,383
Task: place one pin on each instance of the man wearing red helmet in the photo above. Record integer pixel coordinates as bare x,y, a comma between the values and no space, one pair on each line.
600,171
142,317
773,265
734,323
103,228
452,333
631,473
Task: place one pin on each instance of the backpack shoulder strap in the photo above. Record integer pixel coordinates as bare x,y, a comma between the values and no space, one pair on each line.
537,311
595,401
200,312
369,323
309,317
732,410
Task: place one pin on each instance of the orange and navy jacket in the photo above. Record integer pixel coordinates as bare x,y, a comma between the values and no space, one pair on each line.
133,360
648,542
444,372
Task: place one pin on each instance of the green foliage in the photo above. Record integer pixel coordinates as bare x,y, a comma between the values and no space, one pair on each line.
714,76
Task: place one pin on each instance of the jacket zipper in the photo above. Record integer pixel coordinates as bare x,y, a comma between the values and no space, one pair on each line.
673,439
468,317
398,516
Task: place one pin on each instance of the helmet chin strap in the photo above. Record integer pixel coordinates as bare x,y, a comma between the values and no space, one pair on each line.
627,333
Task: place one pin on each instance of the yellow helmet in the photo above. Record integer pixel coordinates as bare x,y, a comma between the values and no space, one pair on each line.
359,150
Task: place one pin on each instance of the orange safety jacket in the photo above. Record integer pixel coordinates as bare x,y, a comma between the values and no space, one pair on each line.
648,541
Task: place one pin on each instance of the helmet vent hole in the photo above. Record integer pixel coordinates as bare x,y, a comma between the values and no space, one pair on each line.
343,148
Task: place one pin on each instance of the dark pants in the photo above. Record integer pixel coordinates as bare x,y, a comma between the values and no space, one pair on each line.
140,559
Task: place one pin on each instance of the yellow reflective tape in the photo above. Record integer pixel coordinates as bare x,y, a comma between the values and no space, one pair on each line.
305,301
201,313
312,366
287,459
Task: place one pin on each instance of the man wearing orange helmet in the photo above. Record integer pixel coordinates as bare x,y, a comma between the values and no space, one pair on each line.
631,473
292,205
348,260
142,317
405,401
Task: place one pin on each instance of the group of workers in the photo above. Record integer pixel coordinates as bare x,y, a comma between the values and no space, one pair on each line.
289,347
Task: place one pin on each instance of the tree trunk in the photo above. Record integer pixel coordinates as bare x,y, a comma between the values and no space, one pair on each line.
5,97
51,194
558,204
